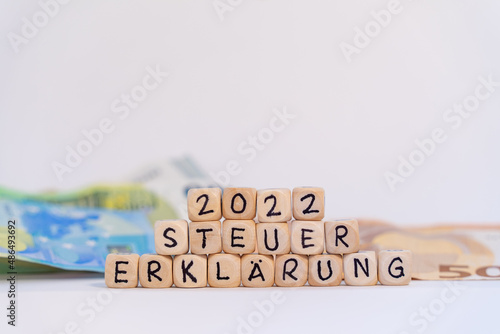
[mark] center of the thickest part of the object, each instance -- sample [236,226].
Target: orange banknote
[440,252]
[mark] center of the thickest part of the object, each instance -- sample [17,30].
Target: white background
[353,119]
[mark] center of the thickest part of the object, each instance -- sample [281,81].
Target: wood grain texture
[155,271]
[342,236]
[224,270]
[273,238]
[121,270]
[239,203]
[360,268]
[325,270]
[205,237]
[307,237]
[190,271]
[308,203]
[204,204]
[238,236]
[257,271]
[171,237]
[394,267]
[274,205]
[291,270]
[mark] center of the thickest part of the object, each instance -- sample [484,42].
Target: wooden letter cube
[342,236]
[394,267]
[238,236]
[239,203]
[190,271]
[360,268]
[224,270]
[273,238]
[155,271]
[307,237]
[257,271]
[204,204]
[171,237]
[325,270]
[274,205]
[121,270]
[205,237]
[291,270]
[308,203]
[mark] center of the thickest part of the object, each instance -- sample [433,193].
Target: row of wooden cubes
[256,270]
[175,237]
[268,205]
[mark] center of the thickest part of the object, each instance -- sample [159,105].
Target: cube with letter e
[121,270]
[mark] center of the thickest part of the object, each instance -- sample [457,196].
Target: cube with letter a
[257,271]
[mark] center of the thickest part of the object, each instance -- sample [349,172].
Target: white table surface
[49,303]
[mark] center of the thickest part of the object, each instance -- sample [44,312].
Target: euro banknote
[440,252]
[111,215]
[159,190]
[68,238]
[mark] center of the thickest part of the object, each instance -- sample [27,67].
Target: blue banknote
[70,238]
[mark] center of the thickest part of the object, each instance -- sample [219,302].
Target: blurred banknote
[76,230]
[171,180]
[68,237]
[159,190]
[445,252]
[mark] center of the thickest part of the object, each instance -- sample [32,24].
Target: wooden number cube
[238,236]
[307,237]
[394,267]
[205,237]
[190,271]
[171,237]
[257,271]
[291,270]
[342,236]
[239,203]
[360,268]
[204,204]
[274,205]
[273,238]
[155,271]
[224,270]
[325,270]
[121,270]
[308,203]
